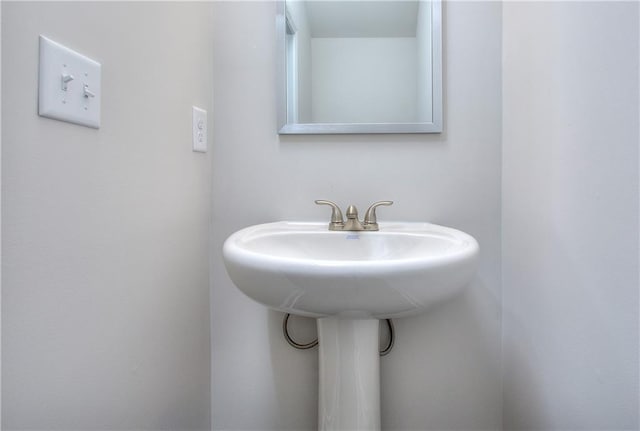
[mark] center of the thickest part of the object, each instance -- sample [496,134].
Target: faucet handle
[370,216]
[336,215]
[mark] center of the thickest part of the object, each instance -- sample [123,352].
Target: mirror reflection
[359,62]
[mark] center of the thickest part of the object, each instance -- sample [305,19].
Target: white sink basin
[305,269]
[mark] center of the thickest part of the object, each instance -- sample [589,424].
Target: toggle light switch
[88,93]
[66,79]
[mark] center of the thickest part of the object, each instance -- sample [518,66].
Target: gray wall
[444,372]
[570,218]
[105,314]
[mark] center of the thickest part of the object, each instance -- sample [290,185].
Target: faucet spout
[352,223]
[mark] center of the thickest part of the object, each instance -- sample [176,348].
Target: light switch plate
[199,130]
[69,85]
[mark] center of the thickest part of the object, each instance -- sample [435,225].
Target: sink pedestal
[349,378]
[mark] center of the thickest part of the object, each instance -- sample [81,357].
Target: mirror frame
[435,126]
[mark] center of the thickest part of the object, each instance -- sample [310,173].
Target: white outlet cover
[199,126]
[79,103]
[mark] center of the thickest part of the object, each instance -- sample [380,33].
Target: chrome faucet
[370,221]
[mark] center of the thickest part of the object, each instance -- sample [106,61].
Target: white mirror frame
[363,128]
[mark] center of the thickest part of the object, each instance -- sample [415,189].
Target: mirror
[359,66]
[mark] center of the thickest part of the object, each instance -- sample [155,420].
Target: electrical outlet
[199,130]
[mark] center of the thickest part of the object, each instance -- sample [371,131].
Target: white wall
[364,80]
[444,372]
[570,215]
[105,318]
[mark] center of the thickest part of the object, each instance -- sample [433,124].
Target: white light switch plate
[69,85]
[199,130]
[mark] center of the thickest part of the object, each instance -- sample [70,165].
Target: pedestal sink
[350,280]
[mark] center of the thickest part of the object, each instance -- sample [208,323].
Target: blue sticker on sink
[353,237]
